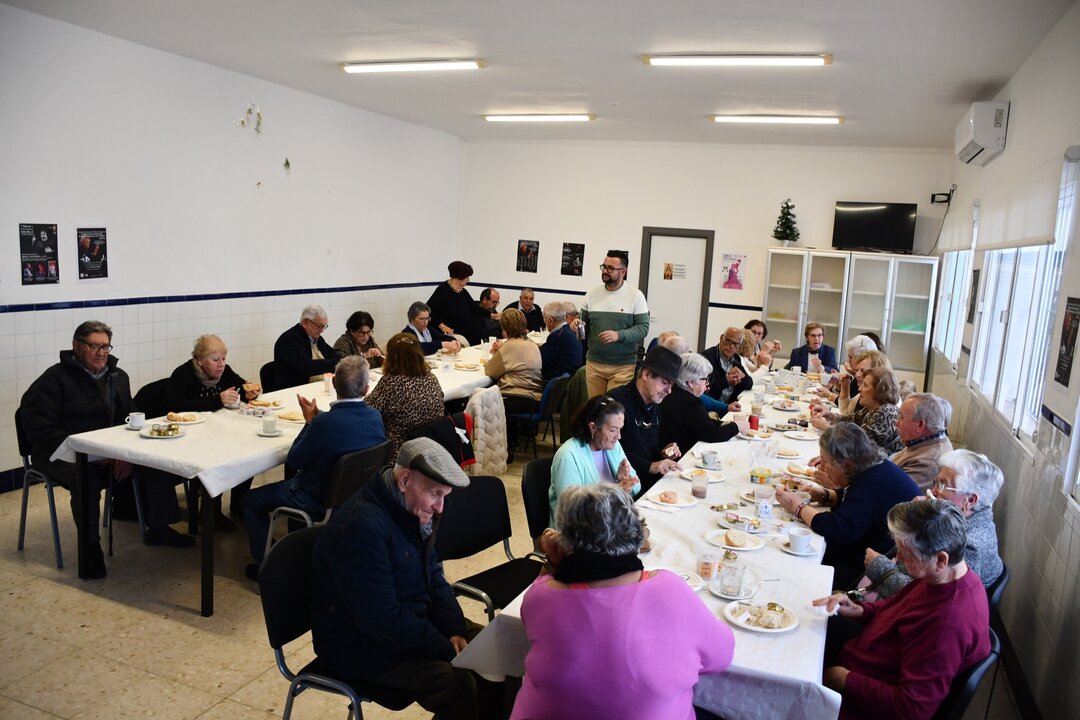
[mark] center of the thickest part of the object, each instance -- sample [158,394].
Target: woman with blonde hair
[408,395]
[517,367]
[875,410]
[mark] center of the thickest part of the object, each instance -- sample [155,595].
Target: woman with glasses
[876,410]
[763,351]
[859,486]
[358,340]
[970,482]
[684,420]
[408,395]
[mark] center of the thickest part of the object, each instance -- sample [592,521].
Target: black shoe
[251,572]
[97,569]
[168,537]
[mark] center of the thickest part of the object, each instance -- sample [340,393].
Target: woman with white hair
[591,653]
[855,347]
[970,482]
[684,420]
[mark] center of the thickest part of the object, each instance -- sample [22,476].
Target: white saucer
[260,433]
[811,550]
[128,427]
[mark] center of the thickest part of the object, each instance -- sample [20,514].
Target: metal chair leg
[22,517]
[135,487]
[55,525]
[106,514]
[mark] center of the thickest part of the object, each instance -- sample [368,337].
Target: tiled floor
[134,645]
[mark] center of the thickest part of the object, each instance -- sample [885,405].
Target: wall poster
[1067,348]
[528,252]
[573,258]
[733,271]
[93,262]
[38,257]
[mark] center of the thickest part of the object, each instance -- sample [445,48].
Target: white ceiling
[903,73]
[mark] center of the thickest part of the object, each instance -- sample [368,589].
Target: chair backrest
[353,470]
[25,446]
[266,377]
[152,398]
[966,683]
[535,482]
[474,518]
[285,586]
[552,395]
[996,589]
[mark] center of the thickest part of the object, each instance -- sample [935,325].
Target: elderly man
[382,611]
[921,425]
[526,303]
[350,425]
[87,391]
[561,353]
[641,419]
[729,377]
[300,354]
[573,319]
[617,318]
[431,339]
[815,355]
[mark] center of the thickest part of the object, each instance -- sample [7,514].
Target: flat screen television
[889,227]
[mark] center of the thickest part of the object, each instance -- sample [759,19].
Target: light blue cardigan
[574,465]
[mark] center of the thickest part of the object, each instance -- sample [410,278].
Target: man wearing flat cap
[382,611]
[641,420]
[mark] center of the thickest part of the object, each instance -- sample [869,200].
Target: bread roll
[669,496]
[182,417]
[736,538]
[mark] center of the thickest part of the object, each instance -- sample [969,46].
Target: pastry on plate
[182,417]
[668,496]
[292,416]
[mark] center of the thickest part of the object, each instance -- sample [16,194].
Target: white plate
[714,476]
[716,537]
[723,522]
[751,585]
[802,435]
[733,613]
[684,500]
[199,418]
[790,471]
[145,432]
[748,496]
[751,438]
[260,433]
[788,454]
[268,404]
[301,421]
[692,579]
[776,406]
[472,367]
[811,550]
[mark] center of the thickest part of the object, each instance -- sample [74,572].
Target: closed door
[675,278]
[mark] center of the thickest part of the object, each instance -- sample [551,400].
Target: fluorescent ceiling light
[733,60]
[540,118]
[412,66]
[780,119]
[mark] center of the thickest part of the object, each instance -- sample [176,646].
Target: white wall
[603,194]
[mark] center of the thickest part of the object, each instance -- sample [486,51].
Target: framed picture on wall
[528,252]
[573,258]
[38,260]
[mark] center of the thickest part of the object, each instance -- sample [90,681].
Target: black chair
[33,477]
[549,402]
[966,683]
[535,484]
[285,590]
[153,398]
[266,377]
[996,589]
[476,518]
[351,472]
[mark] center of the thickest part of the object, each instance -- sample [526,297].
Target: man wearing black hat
[641,420]
[382,611]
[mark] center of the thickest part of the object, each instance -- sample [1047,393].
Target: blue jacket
[349,426]
[378,592]
[801,356]
[561,353]
[292,358]
[438,337]
[573,465]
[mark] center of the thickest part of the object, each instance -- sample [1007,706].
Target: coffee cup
[269,424]
[136,420]
[710,459]
[799,540]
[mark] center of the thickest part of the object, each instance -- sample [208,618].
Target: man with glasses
[921,426]
[300,354]
[87,391]
[729,378]
[617,318]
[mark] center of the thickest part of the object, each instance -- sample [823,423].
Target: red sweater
[914,644]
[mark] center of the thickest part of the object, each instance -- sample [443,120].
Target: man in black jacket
[300,354]
[87,391]
[729,378]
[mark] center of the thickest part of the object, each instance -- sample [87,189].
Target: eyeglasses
[362,331]
[321,326]
[611,268]
[422,318]
[729,341]
[95,347]
[943,487]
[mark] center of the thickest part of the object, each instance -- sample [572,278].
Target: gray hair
[674,342]
[416,308]
[931,409]
[555,310]
[694,366]
[351,376]
[598,518]
[850,446]
[927,527]
[859,344]
[571,308]
[90,327]
[974,474]
[313,311]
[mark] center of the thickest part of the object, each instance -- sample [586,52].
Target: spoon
[775,607]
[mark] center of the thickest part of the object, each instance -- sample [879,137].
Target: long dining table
[773,674]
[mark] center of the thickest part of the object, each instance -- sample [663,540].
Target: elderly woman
[912,645]
[757,364]
[855,347]
[763,351]
[453,310]
[579,620]
[407,395]
[970,482]
[431,339]
[593,454]
[876,411]
[206,382]
[357,339]
[517,366]
[859,485]
[684,419]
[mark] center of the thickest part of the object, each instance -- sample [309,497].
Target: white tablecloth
[456,384]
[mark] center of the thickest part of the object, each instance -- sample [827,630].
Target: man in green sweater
[617,318]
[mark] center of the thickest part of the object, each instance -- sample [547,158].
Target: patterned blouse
[346,345]
[406,403]
[879,425]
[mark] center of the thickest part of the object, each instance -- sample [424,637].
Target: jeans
[260,502]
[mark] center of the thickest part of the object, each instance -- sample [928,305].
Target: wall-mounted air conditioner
[981,134]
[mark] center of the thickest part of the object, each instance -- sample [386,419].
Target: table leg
[82,502]
[207,522]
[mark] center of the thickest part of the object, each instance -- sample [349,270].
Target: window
[952,303]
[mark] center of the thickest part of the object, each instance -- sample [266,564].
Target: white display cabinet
[803,286]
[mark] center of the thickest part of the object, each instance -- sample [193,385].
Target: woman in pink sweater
[609,639]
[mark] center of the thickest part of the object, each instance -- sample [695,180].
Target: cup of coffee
[269,424]
[799,540]
[136,420]
[710,459]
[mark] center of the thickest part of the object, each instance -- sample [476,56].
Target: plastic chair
[351,472]
[535,484]
[476,518]
[285,590]
[33,477]
[966,683]
[993,597]
[549,401]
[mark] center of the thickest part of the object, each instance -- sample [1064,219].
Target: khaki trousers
[600,378]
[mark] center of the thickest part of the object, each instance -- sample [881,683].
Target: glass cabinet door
[825,294]
[783,298]
[867,296]
[909,321]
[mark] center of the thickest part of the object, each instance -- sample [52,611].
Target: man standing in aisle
[617,318]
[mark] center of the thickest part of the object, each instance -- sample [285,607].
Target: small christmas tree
[785,229]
